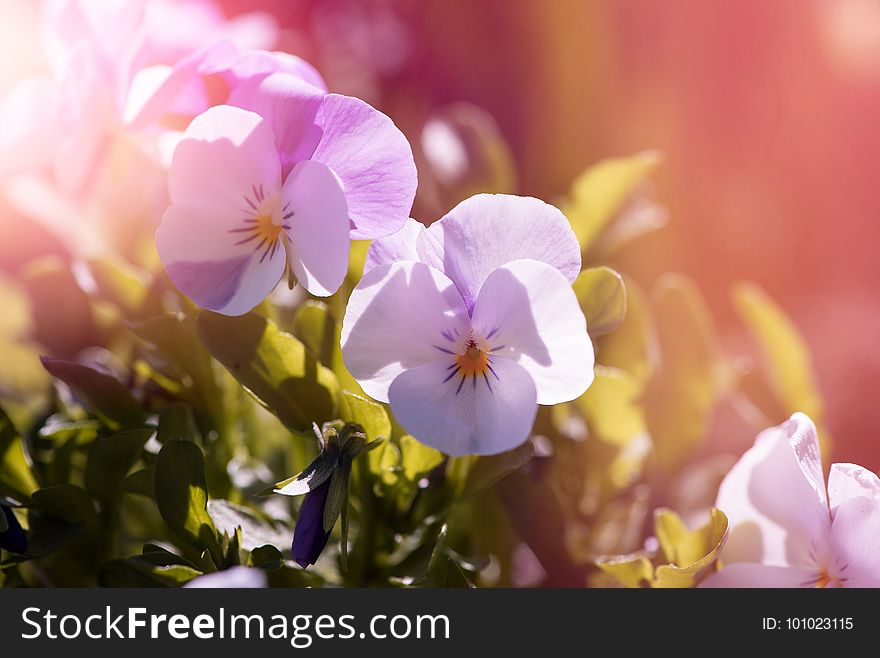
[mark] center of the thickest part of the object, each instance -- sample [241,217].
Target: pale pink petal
[211,263]
[112,26]
[30,134]
[374,161]
[395,320]
[470,416]
[154,90]
[760,576]
[314,210]
[226,154]
[254,64]
[855,540]
[847,481]
[175,29]
[252,31]
[532,315]
[774,499]
[87,108]
[486,231]
[291,106]
[395,247]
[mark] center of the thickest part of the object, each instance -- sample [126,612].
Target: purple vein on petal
[452,374]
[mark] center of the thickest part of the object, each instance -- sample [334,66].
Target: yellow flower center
[473,361]
[262,229]
[266,228]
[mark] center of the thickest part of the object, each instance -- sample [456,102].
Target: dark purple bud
[13,538]
[309,536]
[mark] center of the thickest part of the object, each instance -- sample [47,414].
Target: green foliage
[138,455]
[109,460]
[683,559]
[273,366]
[16,478]
[681,396]
[600,194]
[602,296]
[182,495]
[100,391]
[785,381]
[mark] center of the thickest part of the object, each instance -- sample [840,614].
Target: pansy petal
[225,155]
[86,107]
[847,481]
[482,415]
[256,63]
[395,320]
[486,231]
[314,210]
[528,311]
[154,89]
[397,246]
[211,265]
[374,161]
[855,541]
[291,107]
[309,535]
[759,576]
[772,496]
[28,114]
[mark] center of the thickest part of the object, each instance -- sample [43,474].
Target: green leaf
[182,494]
[417,459]
[600,193]
[176,421]
[45,533]
[174,336]
[141,483]
[602,296]
[315,325]
[632,346]
[266,557]
[162,556]
[443,569]
[612,406]
[786,358]
[371,416]
[66,501]
[21,377]
[489,470]
[337,496]
[16,479]
[110,458]
[374,419]
[691,554]
[255,530]
[100,391]
[633,570]
[119,283]
[681,397]
[143,571]
[274,366]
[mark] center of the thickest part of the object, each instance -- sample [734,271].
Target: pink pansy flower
[281,184]
[115,68]
[475,327]
[788,529]
[363,147]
